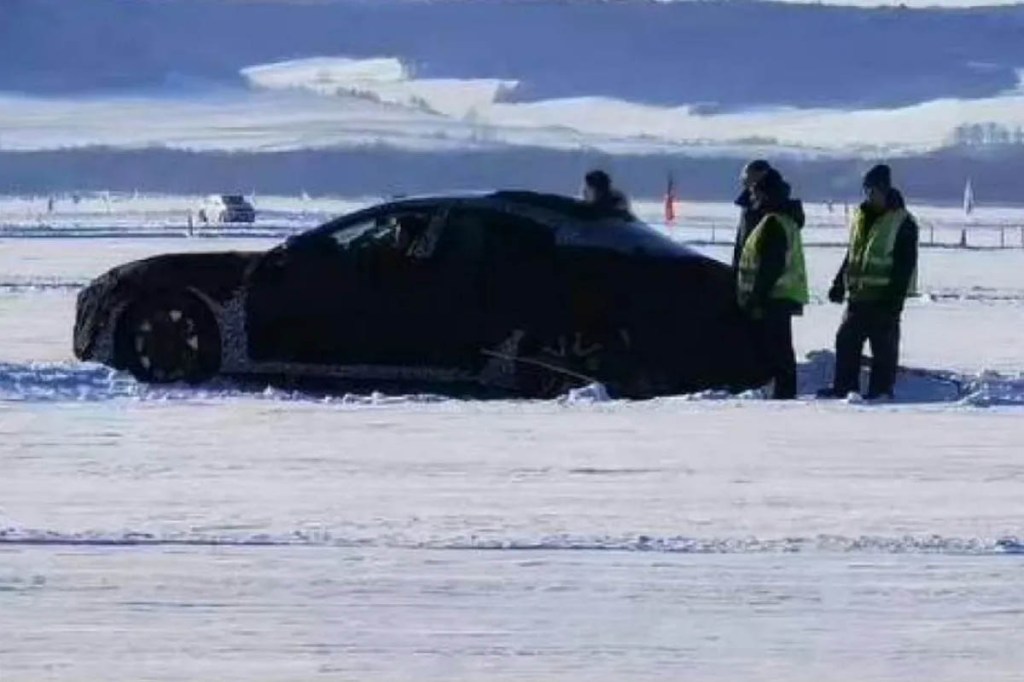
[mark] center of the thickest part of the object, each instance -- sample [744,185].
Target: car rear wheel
[168,339]
[550,367]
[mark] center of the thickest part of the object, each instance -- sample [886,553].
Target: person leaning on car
[876,277]
[771,278]
[598,191]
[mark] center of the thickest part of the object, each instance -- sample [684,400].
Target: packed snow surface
[237,532]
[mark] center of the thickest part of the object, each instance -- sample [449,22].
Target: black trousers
[880,326]
[775,337]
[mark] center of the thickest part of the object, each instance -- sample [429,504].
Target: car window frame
[509,213]
[436,211]
[320,235]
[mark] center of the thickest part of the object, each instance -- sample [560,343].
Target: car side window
[363,232]
[411,232]
[488,234]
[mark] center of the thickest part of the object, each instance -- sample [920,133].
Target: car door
[427,300]
[519,287]
[351,296]
[318,298]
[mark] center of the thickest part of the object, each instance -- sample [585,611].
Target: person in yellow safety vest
[750,217]
[771,284]
[877,276]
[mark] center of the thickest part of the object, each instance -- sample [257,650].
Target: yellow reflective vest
[870,261]
[792,284]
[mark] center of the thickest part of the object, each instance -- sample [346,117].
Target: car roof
[567,206]
[225,197]
[558,203]
[575,222]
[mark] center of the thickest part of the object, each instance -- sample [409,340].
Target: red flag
[670,202]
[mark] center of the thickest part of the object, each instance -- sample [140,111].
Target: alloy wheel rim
[166,343]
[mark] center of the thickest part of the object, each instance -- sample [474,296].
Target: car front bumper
[93,337]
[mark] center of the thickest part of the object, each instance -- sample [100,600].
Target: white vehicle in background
[226,208]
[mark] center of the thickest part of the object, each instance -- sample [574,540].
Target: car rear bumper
[238,216]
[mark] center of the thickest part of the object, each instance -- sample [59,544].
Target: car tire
[544,380]
[169,338]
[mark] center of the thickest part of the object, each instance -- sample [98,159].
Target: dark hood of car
[218,274]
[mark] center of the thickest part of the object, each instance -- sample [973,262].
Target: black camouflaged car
[512,292]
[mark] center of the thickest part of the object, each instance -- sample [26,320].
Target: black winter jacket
[613,200]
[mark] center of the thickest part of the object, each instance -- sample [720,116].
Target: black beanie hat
[880,176]
[758,166]
[772,185]
[598,180]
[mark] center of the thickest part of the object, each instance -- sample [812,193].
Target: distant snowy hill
[497,87]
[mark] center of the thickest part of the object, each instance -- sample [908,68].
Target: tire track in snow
[885,545]
[29,285]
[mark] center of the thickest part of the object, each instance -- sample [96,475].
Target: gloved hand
[837,293]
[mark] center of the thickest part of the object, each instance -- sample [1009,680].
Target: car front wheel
[168,339]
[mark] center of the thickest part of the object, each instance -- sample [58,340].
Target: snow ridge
[679,544]
[75,382]
[47,382]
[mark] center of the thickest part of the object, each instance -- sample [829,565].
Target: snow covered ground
[231,534]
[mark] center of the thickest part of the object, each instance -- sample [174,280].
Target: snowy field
[229,534]
[122,215]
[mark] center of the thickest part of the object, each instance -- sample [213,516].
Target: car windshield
[625,235]
[363,233]
[233,199]
[641,235]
